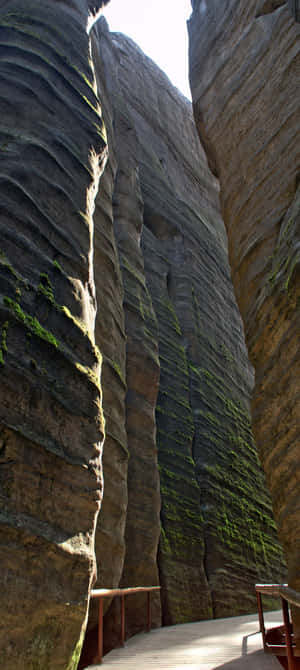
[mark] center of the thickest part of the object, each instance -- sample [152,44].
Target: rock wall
[175,377]
[218,536]
[244,73]
[53,147]
[142,365]
[110,334]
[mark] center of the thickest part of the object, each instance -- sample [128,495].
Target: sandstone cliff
[218,536]
[51,419]
[179,459]
[244,72]
[140,372]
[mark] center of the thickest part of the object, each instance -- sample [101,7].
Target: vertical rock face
[167,325]
[244,72]
[110,335]
[142,365]
[218,536]
[52,149]
[142,376]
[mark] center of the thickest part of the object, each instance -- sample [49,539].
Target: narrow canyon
[149,349]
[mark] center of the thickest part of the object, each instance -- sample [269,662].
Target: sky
[159,28]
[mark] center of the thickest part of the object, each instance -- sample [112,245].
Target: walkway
[222,644]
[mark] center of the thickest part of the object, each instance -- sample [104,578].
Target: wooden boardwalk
[221,644]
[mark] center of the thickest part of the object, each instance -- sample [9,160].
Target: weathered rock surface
[218,536]
[244,72]
[142,365]
[169,330]
[52,149]
[110,332]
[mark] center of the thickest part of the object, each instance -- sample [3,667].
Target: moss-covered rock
[247,112]
[218,536]
[51,424]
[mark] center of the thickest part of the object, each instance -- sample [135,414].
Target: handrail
[288,596]
[110,593]
[122,592]
[270,589]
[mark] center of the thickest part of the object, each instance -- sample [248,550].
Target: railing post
[122,593]
[149,611]
[261,618]
[100,630]
[287,631]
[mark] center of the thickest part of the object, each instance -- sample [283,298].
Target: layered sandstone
[244,72]
[52,150]
[175,376]
[142,365]
[218,536]
[110,335]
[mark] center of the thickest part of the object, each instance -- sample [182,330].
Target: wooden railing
[100,594]
[288,597]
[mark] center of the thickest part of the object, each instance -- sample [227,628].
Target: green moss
[97,354]
[46,288]
[182,441]
[166,309]
[31,323]
[138,276]
[211,418]
[187,478]
[237,510]
[24,25]
[34,327]
[4,334]
[4,261]
[74,660]
[18,293]
[290,271]
[3,348]
[285,258]
[149,333]
[227,354]
[141,306]
[57,266]
[118,370]
[238,515]
[34,364]
[165,545]
[175,397]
